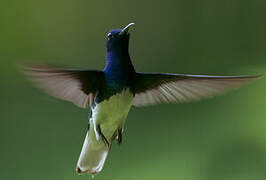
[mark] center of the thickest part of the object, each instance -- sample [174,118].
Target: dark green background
[223,138]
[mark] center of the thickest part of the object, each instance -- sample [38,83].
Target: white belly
[110,114]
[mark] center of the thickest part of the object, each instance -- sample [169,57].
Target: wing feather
[79,86]
[154,88]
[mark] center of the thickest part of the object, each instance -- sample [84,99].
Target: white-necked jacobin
[111,93]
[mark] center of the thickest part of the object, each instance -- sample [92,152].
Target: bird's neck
[119,68]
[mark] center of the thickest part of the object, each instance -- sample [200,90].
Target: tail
[92,156]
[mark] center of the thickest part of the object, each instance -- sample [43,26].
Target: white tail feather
[92,156]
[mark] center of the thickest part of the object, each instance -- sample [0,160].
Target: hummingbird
[111,92]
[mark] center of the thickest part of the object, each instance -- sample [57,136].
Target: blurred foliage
[223,138]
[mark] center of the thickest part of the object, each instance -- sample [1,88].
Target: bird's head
[117,40]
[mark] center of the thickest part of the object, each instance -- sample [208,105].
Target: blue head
[119,68]
[118,40]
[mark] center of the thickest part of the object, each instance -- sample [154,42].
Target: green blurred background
[223,138]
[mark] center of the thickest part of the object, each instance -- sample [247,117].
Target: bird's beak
[125,30]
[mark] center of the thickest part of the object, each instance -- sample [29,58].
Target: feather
[79,86]
[155,88]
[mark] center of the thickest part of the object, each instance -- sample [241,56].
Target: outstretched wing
[155,88]
[79,86]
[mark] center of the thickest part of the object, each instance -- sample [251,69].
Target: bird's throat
[118,65]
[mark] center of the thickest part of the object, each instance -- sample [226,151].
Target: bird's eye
[109,36]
